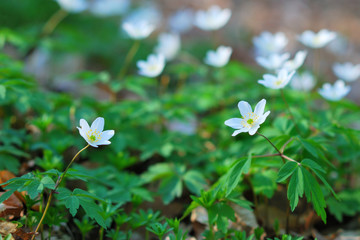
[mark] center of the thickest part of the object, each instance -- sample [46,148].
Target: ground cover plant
[120,123]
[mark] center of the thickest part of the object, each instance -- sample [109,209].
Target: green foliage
[73,200]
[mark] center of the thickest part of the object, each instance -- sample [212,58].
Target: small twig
[282,149]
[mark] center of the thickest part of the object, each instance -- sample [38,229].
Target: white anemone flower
[347,71]
[73,6]
[218,58]
[104,8]
[277,82]
[212,19]
[95,135]
[138,29]
[273,61]
[250,121]
[148,12]
[317,40]
[181,21]
[153,66]
[334,92]
[169,45]
[297,62]
[303,82]
[267,43]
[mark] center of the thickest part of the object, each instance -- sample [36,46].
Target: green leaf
[314,194]
[318,170]
[286,170]
[296,188]
[309,146]
[194,181]
[264,183]
[2,92]
[9,162]
[6,195]
[234,175]
[170,188]
[312,164]
[72,203]
[48,182]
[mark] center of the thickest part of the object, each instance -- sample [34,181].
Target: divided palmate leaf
[296,188]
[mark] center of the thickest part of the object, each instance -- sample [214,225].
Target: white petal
[98,124]
[103,142]
[240,131]
[84,125]
[234,123]
[106,135]
[244,108]
[253,130]
[259,108]
[263,118]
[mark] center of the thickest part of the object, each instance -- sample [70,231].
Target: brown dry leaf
[7,228]
[20,234]
[13,207]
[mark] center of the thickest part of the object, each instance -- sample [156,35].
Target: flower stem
[53,21]
[288,108]
[48,28]
[129,57]
[270,143]
[54,190]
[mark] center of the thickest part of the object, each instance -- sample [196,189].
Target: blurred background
[93,39]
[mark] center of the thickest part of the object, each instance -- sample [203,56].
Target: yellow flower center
[249,120]
[93,136]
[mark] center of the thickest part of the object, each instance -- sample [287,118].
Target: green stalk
[54,190]
[129,57]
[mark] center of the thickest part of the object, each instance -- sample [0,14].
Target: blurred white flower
[347,71]
[317,40]
[277,82]
[218,58]
[147,13]
[169,45]
[334,92]
[267,43]
[297,62]
[303,82]
[212,19]
[181,21]
[138,29]
[273,61]
[250,121]
[95,135]
[153,66]
[109,7]
[74,6]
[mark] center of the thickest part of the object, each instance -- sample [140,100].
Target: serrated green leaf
[72,203]
[286,170]
[318,170]
[48,182]
[295,188]
[314,194]
[312,164]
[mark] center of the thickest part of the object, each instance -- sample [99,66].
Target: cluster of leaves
[169,143]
